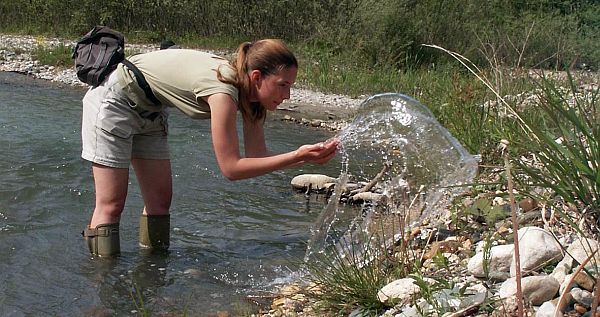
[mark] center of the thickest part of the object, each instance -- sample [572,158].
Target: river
[228,239]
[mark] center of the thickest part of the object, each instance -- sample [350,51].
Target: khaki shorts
[114,131]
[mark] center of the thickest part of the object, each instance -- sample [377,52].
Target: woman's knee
[159,204]
[113,210]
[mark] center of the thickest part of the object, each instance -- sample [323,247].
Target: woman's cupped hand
[318,153]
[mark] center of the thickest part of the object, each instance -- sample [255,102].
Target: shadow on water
[228,239]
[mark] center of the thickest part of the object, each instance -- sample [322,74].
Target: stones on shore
[551,280]
[543,292]
[332,124]
[539,249]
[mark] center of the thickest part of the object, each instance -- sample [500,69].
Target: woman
[121,126]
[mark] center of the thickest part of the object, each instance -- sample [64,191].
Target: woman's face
[272,90]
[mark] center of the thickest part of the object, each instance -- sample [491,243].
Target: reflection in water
[396,149]
[139,287]
[150,271]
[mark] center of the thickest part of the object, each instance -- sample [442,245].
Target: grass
[137,297]
[59,55]
[565,146]
[344,281]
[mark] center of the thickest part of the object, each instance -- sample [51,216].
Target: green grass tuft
[59,55]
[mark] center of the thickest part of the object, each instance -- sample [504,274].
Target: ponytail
[269,56]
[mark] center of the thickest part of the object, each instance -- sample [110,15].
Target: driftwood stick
[467,311]
[374,181]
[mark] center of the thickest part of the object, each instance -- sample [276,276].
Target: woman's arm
[226,145]
[254,139]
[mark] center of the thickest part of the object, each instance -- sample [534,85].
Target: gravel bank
[305,106]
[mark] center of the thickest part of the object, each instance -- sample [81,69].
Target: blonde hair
[269,56]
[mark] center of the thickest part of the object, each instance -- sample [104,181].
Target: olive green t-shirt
[179,78]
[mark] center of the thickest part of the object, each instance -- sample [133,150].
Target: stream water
[228,239]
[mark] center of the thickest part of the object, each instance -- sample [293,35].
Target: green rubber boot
[155,231]
[103,240]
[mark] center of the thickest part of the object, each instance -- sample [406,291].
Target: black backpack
[98,53]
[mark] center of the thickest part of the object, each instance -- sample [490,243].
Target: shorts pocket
[116,118]
[120,132]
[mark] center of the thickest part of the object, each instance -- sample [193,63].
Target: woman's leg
[155,180]
[111,191]
[154,177]
[102,234]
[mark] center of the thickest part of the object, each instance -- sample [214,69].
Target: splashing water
[396,151]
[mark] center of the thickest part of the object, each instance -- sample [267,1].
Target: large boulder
[537,248]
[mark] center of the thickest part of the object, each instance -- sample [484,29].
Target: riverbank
[305,106]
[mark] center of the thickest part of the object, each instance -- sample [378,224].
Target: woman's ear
[255,76]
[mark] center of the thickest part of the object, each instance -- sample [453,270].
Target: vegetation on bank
[551,33]
[366,47]
[549,152]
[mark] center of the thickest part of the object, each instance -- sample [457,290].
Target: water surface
[229,239]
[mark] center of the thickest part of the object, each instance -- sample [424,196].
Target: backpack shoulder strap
[141,81]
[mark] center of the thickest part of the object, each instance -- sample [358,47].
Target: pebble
[528,204]
[580,308]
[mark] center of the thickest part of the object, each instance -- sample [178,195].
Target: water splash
[396,150]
